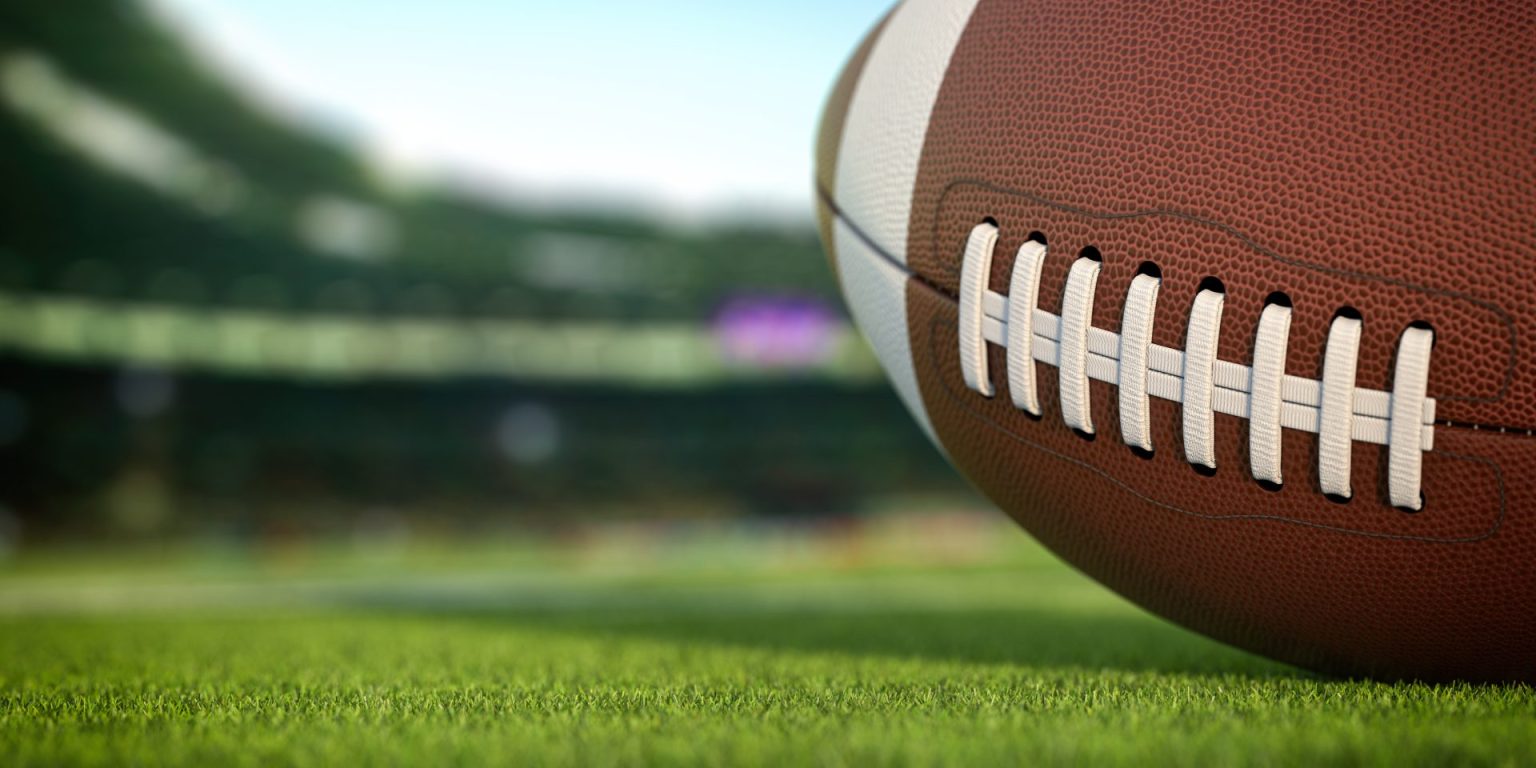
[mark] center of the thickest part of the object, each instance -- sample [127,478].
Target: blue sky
[693,108]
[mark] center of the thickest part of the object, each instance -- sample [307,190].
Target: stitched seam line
[1504,317]
[1333,408]
[956,400]
[826,198]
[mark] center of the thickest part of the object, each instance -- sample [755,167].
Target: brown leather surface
[829,136]
[1357,589]
[1348,155]
[1373,156]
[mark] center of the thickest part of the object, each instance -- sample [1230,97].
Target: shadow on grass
[1032,637]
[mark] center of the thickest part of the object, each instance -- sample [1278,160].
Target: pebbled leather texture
[1375,157]
[829,136]
[888,117]
[1372,156]
[1355,589]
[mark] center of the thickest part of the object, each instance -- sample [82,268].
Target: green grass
[824,661]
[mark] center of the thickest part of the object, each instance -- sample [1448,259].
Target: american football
[1225,303]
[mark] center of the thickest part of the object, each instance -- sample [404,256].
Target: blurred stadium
[215,321]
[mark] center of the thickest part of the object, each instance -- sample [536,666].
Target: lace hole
[1150,270]
[1280,298]
[1142,453]
[1211,284]
[1270,485]
[1203,471]
[1410,511]
[1091,253]
[1337,499]
[1084,434]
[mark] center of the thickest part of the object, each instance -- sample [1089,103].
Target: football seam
[1511,431]
[1504,317]
[955,399]
[1194,377]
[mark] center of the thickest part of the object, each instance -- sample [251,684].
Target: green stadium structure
[135,178]
[212,317]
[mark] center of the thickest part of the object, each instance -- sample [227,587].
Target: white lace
[1335,409]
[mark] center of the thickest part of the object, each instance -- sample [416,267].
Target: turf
[822,661]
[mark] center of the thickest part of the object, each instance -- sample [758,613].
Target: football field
[698,653]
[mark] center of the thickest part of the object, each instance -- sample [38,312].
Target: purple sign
[775,332]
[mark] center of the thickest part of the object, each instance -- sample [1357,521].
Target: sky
[691,107]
